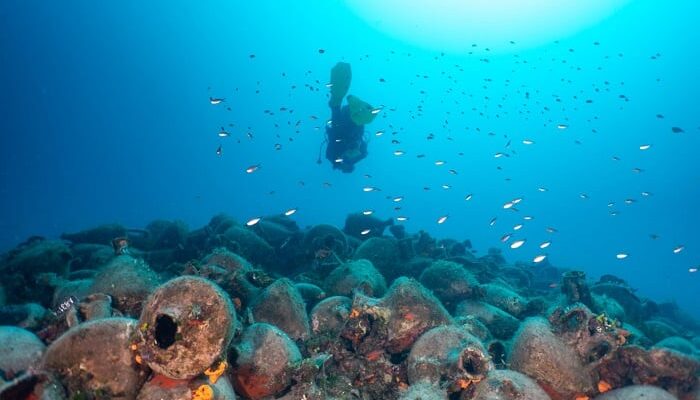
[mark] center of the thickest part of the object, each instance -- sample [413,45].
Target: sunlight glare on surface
[455,25]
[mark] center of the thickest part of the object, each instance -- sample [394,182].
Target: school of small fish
[558,112]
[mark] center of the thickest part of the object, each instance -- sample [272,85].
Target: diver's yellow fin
[361,112]
[341,75]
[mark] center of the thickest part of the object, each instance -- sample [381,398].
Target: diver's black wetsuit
[345,140]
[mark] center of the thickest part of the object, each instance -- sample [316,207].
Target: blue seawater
[105,117]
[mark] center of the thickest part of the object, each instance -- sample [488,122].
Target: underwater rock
[79,289]
[637,392]
[575,288]
[281,305]
[275,234]
[367,347]
[220,223]
[395,321]
[609,278]
[19,350]
[494,257]
[425,245]
[22,265]
[399,232]
[160,387]
[197,243]
[545,275]
[312,379]
[311,293]
[473,326]
[609,306]
[539,354]
[518,276]
[329,315]
[28,316]
[164,260]
[673,313]
[508,385]
[90,256]
[624,296]
[358,274]
[32,385]
[498,351]
[47,283]
[453,248]
[238,285]
[594,338]
[636,336]
[499,281]
[467,256]
[325,243]
[353,243]
[357,223]
[415,266]
[233,273]
[128,280]
[695,395]
[186,325]
[263,361]
[81,274]
[501,324]
[102,234]
[368,376]
[164,234]
[505,299]
[406,251]
[483,270]
[283,220]
[94,306]
[678,344]
[450,282]
[228,260]
[696,342]
[668,369]
[383,253]
[449,356]
[658,330]
[308,391]
[423,391]
[284,236]
[249,245]
[94,360]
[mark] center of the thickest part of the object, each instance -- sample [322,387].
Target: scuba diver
[346,144]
